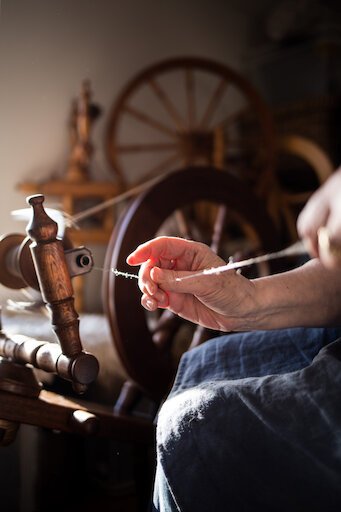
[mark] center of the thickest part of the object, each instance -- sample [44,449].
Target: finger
[169,248]
[313,216]
[311,245]
[329,249]
[333,225]
[146,284]
[148,302]
[161,300]
[172,281]
[141,254]
[149,250]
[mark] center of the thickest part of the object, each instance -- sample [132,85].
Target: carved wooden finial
[41,228]
[56,289]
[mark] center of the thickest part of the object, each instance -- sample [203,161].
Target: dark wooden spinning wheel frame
[147,363]
[197,132]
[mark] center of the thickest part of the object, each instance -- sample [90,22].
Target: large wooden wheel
[300,176]
[189,111]
[148,358]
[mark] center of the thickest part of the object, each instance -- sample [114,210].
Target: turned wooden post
[56,289]
[53,276]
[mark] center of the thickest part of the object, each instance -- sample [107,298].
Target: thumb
[329,249]
[172,280]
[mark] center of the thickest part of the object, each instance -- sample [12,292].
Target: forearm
[307,296]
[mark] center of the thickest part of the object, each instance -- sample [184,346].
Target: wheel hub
[196,145]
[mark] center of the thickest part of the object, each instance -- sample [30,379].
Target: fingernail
[154,272]
[164,302]
[149,304]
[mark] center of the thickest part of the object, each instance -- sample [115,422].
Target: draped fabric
[254,423]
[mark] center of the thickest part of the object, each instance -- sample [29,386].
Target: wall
[48,48]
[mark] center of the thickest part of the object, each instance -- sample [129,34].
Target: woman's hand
[323,210]
[222,302]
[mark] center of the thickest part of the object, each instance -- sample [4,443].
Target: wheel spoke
[135,148]
[198,337]
[141,116]
[213,103]
[168,105]
[165,330]
[162,166]
[199,332]
[299,198]
[232,118]
[190,96]
[195,119]
[184,229]
[218,229]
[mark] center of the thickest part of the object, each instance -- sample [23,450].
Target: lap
[232,433]
[252,354]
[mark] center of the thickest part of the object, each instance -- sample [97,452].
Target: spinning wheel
[301,176]
[147,356]
[189,111]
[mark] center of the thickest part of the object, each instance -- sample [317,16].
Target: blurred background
[288,51]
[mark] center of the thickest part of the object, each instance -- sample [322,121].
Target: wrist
[308,296]
[244,315]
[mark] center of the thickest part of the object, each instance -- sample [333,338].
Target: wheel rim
[182,134]
[151,368]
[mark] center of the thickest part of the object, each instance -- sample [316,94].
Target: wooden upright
[76,190]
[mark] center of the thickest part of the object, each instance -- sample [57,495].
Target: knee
[183,412]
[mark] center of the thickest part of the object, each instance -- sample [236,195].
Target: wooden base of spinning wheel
[21,397]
